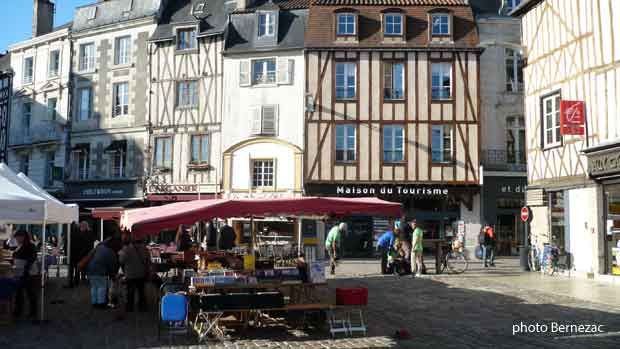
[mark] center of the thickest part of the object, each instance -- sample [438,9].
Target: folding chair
[338,323]
[356,322]
[173,312]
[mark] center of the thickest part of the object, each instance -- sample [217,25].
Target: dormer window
[266,24]
[440,24]
[346,24]
[393,24]
[510,5]
[92,13]
[186,39]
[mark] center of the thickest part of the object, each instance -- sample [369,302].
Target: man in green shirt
[332,242]
[417,247]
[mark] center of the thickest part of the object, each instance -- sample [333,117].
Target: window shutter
[285,71]
[270,120]
[256,120]
[244,73]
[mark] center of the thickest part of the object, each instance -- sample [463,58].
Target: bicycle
[533,260]
[455,260]
[556,260]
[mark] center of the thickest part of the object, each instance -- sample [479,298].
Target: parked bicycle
[556,260]
[454,260]
[533,260]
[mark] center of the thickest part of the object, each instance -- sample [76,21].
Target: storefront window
[612,231]
[556,202]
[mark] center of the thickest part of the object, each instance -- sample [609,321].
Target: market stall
[242,280]
[23,202]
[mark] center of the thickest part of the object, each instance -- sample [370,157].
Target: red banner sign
[572,118]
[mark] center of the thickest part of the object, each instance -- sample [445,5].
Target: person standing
[25,258]
[82,242]
[135,260]
[417,248]
[227,238]
[332,242]
[488,249]
[102,265]
[385,242]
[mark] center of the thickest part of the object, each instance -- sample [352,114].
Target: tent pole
[43,255]
[299,225]
[101,229]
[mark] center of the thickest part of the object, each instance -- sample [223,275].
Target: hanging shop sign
[572,118]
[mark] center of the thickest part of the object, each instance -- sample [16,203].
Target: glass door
[612,229]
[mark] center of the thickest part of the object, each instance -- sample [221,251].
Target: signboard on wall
[572,118]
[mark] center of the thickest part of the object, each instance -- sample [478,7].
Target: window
[510,5]
[440,24]
[187,94]
[84,103]
[346,24]
[50,159]
[87,57]
[393,143]
[346,77]
[345,143]
[264,71]
[122,50]
[558,218]
[393,24]
[515,140]
[266,24]
[514,71]
[200,149]
[52,103]
[27,117]
[121,99]
[28,70]
[92,13]
[264,120]
[262,173]
[186,39]
[81,162]
[118,158]
[163,152]
[441,81]
[441,143]
[54,64]
[24,163]
[551,121]
[393,81]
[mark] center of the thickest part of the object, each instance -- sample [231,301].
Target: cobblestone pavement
[477,309]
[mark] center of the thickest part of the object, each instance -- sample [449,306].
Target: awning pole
[43,255]
[101,229]
[299,225]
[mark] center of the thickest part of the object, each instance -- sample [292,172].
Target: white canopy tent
[24,202]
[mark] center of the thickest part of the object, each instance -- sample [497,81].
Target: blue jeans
[98,289]
[488,252]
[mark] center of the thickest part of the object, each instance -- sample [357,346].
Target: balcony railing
[502,160]
[39,132]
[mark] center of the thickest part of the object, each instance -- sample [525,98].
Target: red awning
[149,221]
[108,213]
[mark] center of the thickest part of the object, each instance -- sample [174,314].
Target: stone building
[572,88]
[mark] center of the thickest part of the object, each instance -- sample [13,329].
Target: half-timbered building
[186,100]
[572,88]
[393,109]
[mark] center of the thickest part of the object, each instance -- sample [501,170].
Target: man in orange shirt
[489,247]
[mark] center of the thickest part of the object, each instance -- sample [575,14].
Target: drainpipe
[69,123]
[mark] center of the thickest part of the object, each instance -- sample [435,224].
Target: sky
[16,18]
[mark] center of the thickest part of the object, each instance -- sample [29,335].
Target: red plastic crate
[352,296]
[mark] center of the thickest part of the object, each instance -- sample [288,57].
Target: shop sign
[376,190]
[163,188]
[572,118]
[102,190]
[604,164]
[513,188]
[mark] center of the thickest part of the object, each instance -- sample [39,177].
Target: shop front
[604,168]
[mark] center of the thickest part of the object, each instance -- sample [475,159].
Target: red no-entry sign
[525,214]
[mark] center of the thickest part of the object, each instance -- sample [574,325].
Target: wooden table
[438,244]
[299,293]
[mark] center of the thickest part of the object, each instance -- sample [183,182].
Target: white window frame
[393,26]
[349,67]
[26,118]
[160,155]
[552,115]
[52,113]
[81,164]
[82,116]
[87,57]
[187,94]
[53,72]
[120,99]
[119,171]
[441,16]
[514,69]
[392,82]
[442,144]
[346,15]
[92,13]
[261,180]
[510,5]
[268,77]
[515,125]
[391,131]
[259,121]
[443,68]
[203,154]
[122,50]
[192,39]
[28,74]
[349,131]
[50,163]
[268,29]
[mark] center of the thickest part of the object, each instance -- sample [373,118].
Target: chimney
[43,17]
[243,4]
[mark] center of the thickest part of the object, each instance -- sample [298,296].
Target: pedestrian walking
[26,268]
[135,261]
[488,248]
[103,264]
[82,241]
[332,242]
[385,242]
[417,248]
